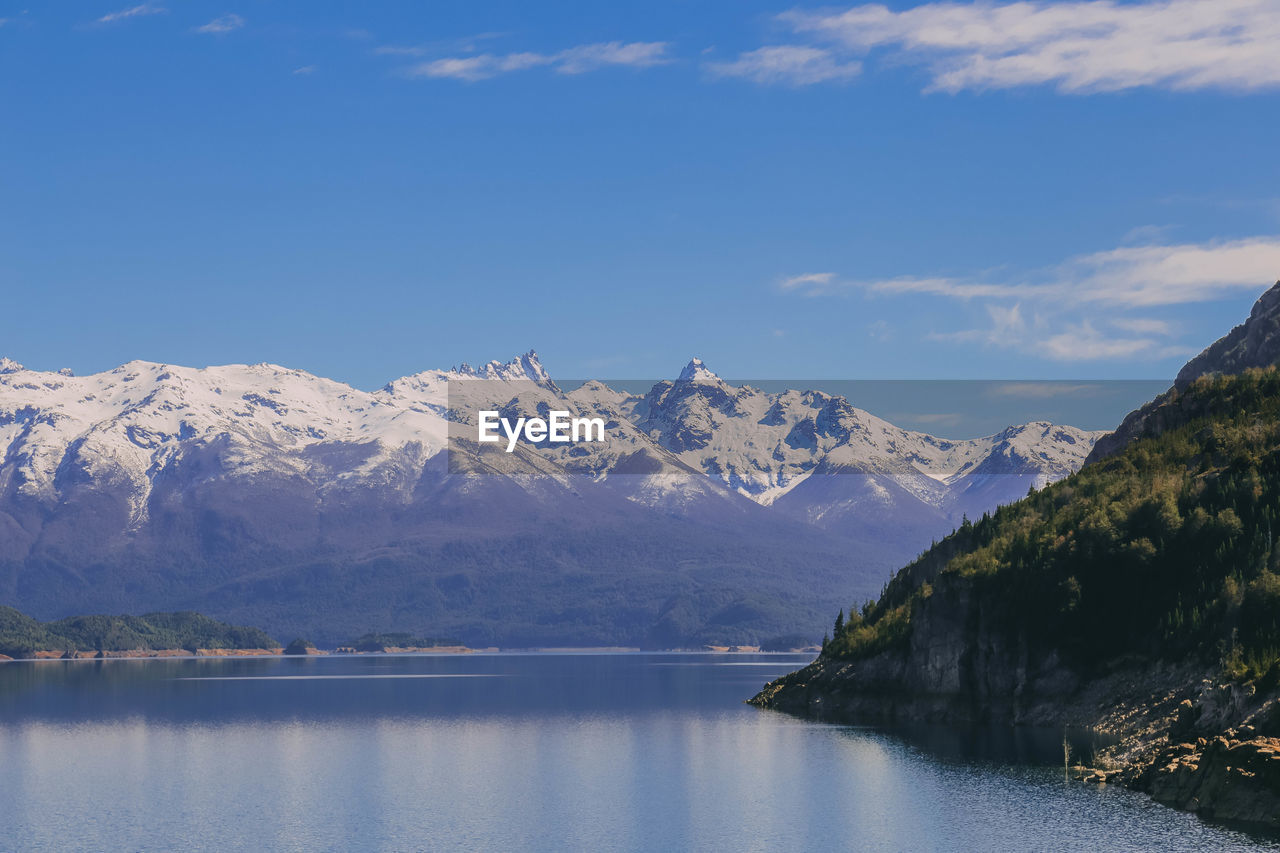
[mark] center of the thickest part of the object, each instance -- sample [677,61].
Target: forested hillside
[1164,551]
[22,636]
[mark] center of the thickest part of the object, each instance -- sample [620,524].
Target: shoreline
[1187,740]
[347,651]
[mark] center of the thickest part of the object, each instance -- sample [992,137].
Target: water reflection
[560,752]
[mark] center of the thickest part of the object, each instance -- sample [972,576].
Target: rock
[1226,780]
[1184,724]
[1254,343]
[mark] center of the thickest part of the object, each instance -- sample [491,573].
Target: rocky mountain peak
[8,365]
[522,367]
[696,371]
[1254,343]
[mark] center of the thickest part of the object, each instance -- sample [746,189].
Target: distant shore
[138,654]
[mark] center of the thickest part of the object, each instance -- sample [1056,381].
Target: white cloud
[1144,234]
[794,65]
[1076,47]
[1131,277]
[305,69]
[1010,329]
[589,57]
[1172,275]
[1143,325]
[810,282]
[132,12]
[1082,342]
[574,60]
[399,50]
[1094,306]
[222,26]
[954,288]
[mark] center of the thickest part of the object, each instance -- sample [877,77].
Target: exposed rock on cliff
[1254,343]
[1139,598]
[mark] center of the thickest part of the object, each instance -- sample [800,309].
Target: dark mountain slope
[1140,595]
[22,636]
[1254,343]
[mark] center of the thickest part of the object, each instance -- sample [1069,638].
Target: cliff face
[1188,739]
[1139,597]
[1254,343]
[959,664]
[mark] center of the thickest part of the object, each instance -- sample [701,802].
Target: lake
[518,752]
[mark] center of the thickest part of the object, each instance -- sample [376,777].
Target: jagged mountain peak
[696,371]
[523,367]
[1254,343]
[249,464]
[8,365]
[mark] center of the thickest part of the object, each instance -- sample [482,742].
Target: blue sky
[862,191]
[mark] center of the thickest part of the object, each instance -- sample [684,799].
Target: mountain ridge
[1253,343]
[1138,597]
[278,497]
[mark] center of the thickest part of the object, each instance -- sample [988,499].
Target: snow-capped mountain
[764,445]
[271,494]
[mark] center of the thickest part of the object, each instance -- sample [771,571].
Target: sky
[907,191]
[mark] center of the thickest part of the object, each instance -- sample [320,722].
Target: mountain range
[714,512]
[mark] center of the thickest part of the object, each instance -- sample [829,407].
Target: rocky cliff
[1254,343]
[1139,597]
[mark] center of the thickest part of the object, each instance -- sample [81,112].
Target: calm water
[516,752]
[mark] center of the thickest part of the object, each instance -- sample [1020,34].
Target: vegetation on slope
[1164,551]
[380,642]
[22,636]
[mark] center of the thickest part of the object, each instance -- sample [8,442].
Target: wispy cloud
[1076,47]
[574,60]
[810,283]
[792,65]
[1092,306]
[222,26]
[1131,277]
[1010,327]
[305,69]
[1083,342]
[138,11]
[1143,325]
[400,50]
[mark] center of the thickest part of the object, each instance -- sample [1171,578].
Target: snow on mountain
[127,425]
[696,371]
[763,445]
[273,496]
